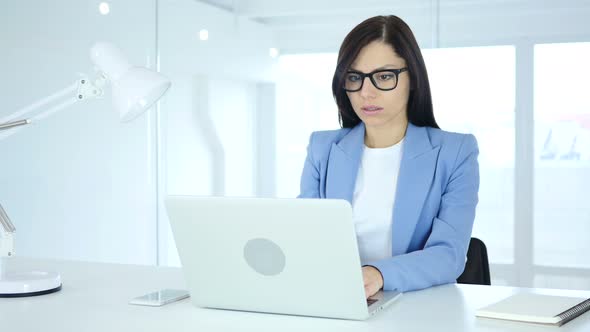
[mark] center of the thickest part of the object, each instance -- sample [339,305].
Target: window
[473,92]
[562,155]
[304,104]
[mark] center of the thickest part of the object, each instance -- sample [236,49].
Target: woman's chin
[373,122]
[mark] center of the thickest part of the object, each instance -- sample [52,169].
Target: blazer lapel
[343,164]
[414,180]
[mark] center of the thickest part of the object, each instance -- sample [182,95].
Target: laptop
[282,256]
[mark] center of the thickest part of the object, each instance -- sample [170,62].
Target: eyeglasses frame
[396,72]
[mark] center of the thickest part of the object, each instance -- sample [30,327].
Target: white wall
[209,119]
[79,185]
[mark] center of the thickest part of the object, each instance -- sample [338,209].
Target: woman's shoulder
[320,142]
[449,138]
[452,143]
[327,137]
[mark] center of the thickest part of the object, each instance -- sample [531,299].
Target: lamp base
[29,284]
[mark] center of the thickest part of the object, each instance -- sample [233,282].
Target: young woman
[413,187]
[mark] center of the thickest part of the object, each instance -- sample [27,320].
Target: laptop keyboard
[370,301]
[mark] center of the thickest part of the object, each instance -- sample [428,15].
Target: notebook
[536,308]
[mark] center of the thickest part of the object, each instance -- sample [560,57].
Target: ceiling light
[104,8]
[273,52]
[204,34]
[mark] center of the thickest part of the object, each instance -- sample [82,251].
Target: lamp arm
[23,112]
[13,124]
[7,231]
[80,90]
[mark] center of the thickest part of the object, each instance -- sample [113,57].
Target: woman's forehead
[376,55]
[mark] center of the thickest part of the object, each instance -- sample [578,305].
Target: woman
[413,187]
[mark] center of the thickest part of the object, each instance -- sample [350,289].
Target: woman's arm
[443,258]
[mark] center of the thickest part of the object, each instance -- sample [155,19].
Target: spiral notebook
[536,308]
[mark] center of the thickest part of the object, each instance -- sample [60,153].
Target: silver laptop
[285,256]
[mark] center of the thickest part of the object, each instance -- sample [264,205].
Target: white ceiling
[275,11]
[320,25]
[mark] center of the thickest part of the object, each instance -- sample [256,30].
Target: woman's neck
[385,136]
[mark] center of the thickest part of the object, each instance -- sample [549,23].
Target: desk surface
[95,295]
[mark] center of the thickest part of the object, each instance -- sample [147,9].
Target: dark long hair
[394,31]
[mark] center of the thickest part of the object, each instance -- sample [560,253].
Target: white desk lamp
[134,90]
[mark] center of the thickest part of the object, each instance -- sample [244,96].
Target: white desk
[94,298]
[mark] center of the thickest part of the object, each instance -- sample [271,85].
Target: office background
[237,119]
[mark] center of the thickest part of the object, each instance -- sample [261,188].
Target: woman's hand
[373,280]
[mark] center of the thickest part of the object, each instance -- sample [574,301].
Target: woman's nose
[368,90]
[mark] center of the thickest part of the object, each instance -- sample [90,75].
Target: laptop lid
[288,256]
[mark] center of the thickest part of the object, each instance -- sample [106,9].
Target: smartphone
[160,297]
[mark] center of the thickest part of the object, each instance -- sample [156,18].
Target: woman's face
[377,108]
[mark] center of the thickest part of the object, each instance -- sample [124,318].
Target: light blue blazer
[434,205]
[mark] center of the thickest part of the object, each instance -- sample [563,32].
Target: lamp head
[134,89]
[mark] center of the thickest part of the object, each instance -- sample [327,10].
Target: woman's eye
[385,77]
[354,78]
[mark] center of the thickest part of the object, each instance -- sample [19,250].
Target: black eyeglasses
[382,79]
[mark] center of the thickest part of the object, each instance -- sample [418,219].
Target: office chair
[477,268]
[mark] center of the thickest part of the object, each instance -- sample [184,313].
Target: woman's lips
[371,110]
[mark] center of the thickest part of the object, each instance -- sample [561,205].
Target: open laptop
[285,256]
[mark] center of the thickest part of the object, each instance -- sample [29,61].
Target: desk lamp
[134,90]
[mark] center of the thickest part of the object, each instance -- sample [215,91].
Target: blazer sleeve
[310,178]
[443,258]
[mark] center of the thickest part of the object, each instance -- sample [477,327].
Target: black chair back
[477,268]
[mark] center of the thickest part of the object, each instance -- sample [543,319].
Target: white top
[373,199]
